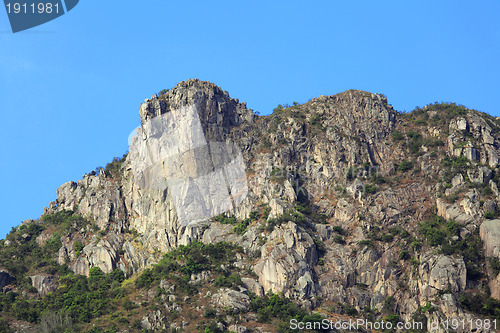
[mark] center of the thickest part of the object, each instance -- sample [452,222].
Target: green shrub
[78,247]
[351,173]
[397,136]
[387,238]
[54,243]
[370,189]
[489,215]
[209,312]
[457,164]
[129,305]
[223,219]
[420,122]
[279,109]
[180,263]
[66,221]
[231,281]
[366,242]
[276,306]
[145,279]
[404,255]
[415,142]
[495,265]
[137,324]
[289,215]
[113,168]
[438,232]
[266,143]
[316,120]
[339,239]
[338,229]
[480,303]
[405,166]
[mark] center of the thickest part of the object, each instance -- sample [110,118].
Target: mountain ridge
[352,209]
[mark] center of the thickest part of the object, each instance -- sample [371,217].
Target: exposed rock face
[44,284]
[253,286]
[340,185]
[490,234]
[94,196]
[238,329]
[235,300]
[154,321]
[473,128]
[440,273]
[102,255]
[286,261]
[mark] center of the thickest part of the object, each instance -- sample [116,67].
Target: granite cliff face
[348,203]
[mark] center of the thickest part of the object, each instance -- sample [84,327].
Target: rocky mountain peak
[215,107]
[357,112]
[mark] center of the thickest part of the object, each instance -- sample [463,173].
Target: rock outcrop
[44,284]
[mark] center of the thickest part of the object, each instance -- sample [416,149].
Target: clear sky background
[70,89]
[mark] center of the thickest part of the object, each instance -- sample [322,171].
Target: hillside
[221,220]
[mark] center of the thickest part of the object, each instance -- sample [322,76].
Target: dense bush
[78,299]
[275,306]
[113,168]
[78,247]
[240,227]
[489,215]
[495,265]
[480,303]
[316,120]
[405,166]
[289,215]
[415,142]
[66,221]
[231,281]
[196,257]
[397,136]
[24,253]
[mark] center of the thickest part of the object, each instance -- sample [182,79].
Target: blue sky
[70,89]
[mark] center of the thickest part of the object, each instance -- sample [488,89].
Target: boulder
[238,329]
[232,299]
[480,175]
[44,283]
[253,286]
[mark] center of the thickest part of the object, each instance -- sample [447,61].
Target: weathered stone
[238,329]
[288,261]
[480,175]
[490,234]
[440,272]
[253,286]
[154,321]
[233,299]
[44,284]
[457,180]
[459,124]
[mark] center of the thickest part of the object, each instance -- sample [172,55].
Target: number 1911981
[41,8]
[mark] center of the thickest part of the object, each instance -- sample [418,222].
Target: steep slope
[348,208]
